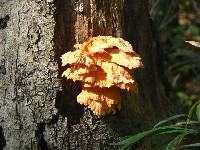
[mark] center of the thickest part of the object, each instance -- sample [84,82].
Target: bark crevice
[3,22]
[42,144]
[2,139]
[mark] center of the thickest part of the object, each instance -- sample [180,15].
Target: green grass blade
[189,123]
[189,145]
[170,132]
[191,111]
[198,112]
[176,141]
[155,131]
[169,119]
[134,138]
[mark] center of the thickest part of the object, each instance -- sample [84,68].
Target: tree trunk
[38,109]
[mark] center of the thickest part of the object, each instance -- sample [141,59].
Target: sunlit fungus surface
[104,66]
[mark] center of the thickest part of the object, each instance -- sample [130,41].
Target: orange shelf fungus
[103,64]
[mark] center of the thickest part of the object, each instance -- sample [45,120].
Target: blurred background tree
[178,21]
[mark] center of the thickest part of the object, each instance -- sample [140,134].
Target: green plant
[185,126]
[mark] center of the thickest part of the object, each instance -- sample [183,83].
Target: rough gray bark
[34,34]
[28,72]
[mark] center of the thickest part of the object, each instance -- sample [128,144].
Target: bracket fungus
[103,64]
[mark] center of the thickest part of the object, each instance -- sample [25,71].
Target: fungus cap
[103,64]
[100,100]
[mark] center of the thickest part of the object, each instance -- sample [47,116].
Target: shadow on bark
[63,41]
[2,139]
[42,144]
[3,22]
